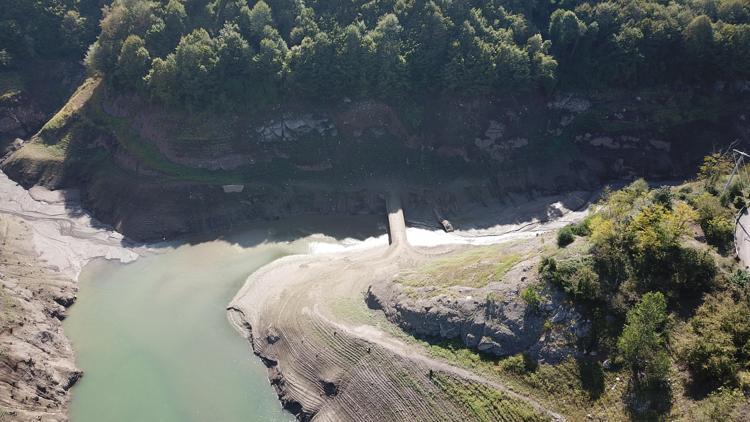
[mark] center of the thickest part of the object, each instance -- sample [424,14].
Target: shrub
[565,236]
[719,232]
[740,278]
[531,296]
[611,263]
[582,228]
[663,196]
[733,193]
[576,277]
[519,364]
[716,221]
[695,270]
[684,192]
[718,344]
[714,166]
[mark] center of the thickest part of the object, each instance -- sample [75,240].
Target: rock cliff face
[20,117]
[130,158]
[494,319]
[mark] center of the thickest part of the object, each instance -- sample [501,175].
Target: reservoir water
[152,336]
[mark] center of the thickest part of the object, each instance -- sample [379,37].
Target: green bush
[519,364]
[576,277]
[696,270]
[733,193]
[716,221]
[740,278]
[565,236]
[531,296]
[718,344]
[662,196]
[719,232]
[582,228]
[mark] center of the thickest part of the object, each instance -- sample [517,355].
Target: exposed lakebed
[152,336]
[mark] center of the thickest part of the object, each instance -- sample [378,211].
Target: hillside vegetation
[235,53]
[668,301]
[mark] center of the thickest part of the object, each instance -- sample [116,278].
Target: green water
[154,343]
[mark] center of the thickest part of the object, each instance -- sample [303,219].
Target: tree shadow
[592,377]
[650,403]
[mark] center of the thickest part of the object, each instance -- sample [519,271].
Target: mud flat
[306,317]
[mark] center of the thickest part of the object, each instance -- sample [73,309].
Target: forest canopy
[199,53]
[46,29]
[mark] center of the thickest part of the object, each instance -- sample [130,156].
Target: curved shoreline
[330,368]
[47,239]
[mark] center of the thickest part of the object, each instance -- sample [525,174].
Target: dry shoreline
[325,367]
[46,241]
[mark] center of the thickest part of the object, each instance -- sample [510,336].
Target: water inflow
[153,339]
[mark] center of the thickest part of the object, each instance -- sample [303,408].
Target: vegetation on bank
[669,306]
[485,403]
[234,53]
[667,301]
[475,268]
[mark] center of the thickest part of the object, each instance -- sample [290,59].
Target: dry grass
[485,403]
[475,267]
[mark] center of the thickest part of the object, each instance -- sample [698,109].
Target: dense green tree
[253,21]
[312,66]
[390,73]
[354,57]
[235,65]
[271,64]
[132,63]
[396,49]
[196,61]
[162,79]
[166,32]
[566,31]
[431,36]
[699,37]
[32,30]
[642,342]
[471,66]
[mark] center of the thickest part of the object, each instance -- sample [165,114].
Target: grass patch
[574,388]
[486,403]
[353,310]
[11,84]
[724,405]
[474,268]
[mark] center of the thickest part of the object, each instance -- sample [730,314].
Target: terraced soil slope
[305,317]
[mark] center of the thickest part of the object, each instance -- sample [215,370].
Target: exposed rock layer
[36,360]
[493,320]
[290,161]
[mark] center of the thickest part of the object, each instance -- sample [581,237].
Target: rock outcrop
[493,320]
[336,159]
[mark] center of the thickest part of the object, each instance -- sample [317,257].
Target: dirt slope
[326,364]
